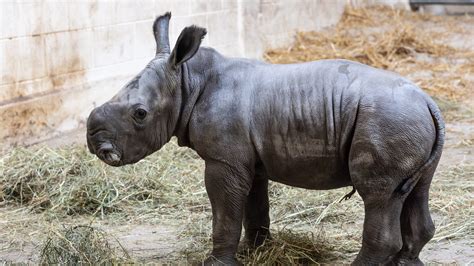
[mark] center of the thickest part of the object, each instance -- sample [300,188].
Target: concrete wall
[59,59]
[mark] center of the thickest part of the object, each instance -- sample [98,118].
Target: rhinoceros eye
[140,114]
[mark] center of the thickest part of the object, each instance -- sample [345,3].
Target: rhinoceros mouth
[109,154]
[112,159]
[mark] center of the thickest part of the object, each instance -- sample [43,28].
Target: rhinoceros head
[143,115]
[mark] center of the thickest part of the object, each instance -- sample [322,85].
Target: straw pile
[312,226]
[70,182]
[80,245]
[420,47]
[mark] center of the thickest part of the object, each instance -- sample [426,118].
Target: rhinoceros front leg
[256,216]
[227,186]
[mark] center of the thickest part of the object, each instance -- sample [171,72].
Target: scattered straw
[79,245]
[289,248]
[168,186]
[71,181]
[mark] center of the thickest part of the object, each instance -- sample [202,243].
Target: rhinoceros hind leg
[381,239]
[416,225]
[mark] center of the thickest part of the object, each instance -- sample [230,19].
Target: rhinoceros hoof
[215,261]
[407,261]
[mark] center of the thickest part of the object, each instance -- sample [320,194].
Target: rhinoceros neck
[194,76]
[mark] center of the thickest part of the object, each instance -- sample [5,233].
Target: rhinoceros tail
[431,163]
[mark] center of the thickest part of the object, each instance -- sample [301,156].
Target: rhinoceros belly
[302,119]
[311,164]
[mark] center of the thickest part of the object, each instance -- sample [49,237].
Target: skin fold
[318,125]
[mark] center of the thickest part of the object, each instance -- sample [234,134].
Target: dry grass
[420,47]
[452,199]
[289,248]
[70,182]
[80,245]
[308,226]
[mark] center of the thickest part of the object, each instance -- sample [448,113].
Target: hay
[414,45]
[80,244]
[289,248]
[168,186]
[452,197]
[70,181]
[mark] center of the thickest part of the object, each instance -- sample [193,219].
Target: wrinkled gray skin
[317,125]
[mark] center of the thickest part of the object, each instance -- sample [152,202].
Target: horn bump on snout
[160,30]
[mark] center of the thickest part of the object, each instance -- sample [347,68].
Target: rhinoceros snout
[108,154]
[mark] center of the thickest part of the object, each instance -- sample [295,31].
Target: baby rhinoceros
[318,125]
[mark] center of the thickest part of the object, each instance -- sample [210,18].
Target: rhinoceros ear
[160,31]
[187,45]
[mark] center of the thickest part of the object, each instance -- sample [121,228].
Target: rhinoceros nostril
[106,147]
